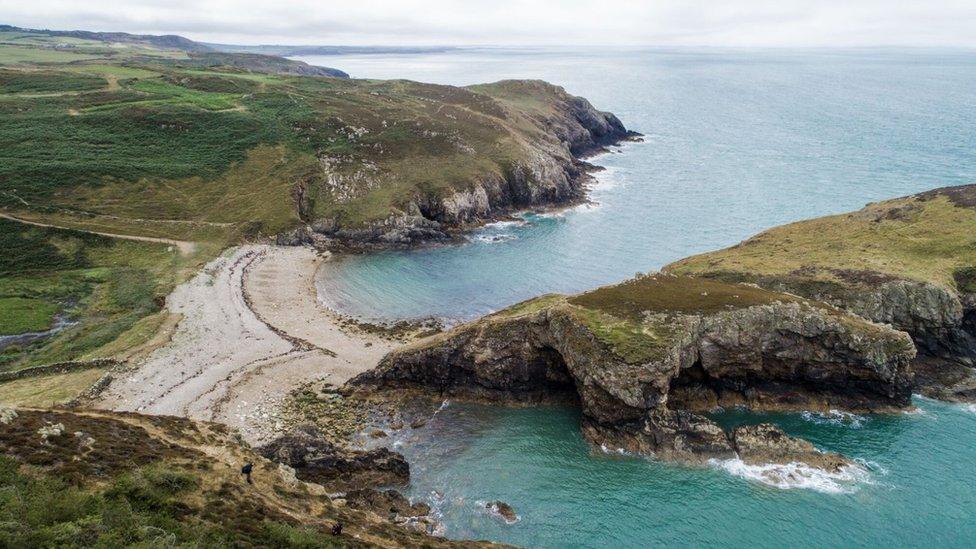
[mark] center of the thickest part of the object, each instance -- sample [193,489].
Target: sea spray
[793,475]
[835,417]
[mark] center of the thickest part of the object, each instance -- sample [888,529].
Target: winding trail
[251,332]
[185,247]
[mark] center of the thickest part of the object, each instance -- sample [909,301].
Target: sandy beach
[252,331]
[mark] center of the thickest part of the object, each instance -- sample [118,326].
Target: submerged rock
[315,459]
[646,357]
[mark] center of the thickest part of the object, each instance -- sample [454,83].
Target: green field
[927,238]
[104,285]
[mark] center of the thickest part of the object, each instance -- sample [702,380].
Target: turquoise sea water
[737,141]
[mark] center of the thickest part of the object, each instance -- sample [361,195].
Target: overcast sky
[528,22]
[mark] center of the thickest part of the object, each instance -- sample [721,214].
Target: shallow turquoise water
[919,491]
[737,141]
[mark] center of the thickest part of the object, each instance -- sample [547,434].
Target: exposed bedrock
[314,459]
[642,384]
[909,262]
[941,322]
[550,173]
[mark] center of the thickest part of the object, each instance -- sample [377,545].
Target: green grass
[22,55]
[181,95]
[19,315]
[13,81]
[118,71]
[50,390]
[635,341]
[928,239]
[106,285]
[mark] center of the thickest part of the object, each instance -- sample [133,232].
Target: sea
[735,141]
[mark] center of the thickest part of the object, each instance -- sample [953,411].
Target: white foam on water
[971,408]
[835,417]
[493,238]
[606,179]
[493,510]
[505,224]
[798,475]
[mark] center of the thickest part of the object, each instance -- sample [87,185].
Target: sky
[730,23]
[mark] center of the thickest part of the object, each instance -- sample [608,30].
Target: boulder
[314,459]
[766,443]
[503,510]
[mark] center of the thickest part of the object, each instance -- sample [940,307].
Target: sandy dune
[251,332]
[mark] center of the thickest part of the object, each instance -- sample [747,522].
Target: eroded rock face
[766,443]
[770,356]
[939,320]
[551,174]
[315,459]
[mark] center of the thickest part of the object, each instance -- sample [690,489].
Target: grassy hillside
[103,286]
[123,480]
[138,137]
[930,237]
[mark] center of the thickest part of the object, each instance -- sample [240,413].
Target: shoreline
[462,236]
[417,231]
[252,332]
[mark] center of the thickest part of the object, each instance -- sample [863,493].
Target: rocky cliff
[908,263]
[645,358]
[545,168]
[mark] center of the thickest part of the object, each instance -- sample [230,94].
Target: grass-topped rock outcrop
[908,262]
[647,357]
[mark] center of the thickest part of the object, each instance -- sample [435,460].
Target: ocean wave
[799,475]
[835,417]
[606,179]
[493,238]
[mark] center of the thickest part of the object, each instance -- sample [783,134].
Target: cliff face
[643,373]
[551,136]
[914,259]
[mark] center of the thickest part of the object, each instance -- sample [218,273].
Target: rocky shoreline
[644,382]
[554,175]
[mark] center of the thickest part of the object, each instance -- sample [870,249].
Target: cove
[736,141]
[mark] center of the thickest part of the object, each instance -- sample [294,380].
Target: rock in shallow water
[766,443]
[503,510]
